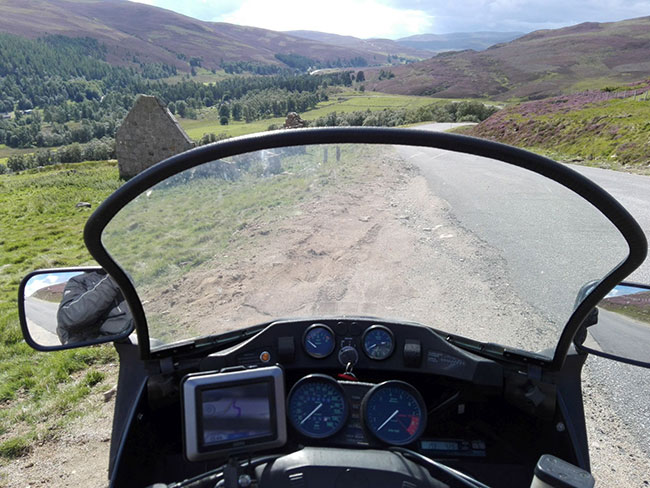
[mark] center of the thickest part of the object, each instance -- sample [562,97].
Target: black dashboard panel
[416,349]
[448,378]
[474,409]
[461,391]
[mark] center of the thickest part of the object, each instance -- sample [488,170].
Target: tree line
[96,150]
[469,111]
[262,104]
[303,63]
[58,91]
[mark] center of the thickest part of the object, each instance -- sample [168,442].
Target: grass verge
[612,134]
[42,227]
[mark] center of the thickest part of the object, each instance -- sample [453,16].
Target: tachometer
[378,342]
[319,341]
[394,413]
[317,407]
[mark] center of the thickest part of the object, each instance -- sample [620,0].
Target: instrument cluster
[392,412]
[377,342]
[359,395]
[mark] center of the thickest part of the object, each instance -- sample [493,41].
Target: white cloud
[43,281]
[365,18]
[38,282]
[400,18]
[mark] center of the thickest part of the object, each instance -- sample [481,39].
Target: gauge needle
[311,413]
[311,344]
[387,420]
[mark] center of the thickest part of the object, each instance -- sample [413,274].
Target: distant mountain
[459,41]
[135,32]
[540,64]
[382,47]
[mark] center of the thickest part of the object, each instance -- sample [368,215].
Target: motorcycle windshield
[464,244]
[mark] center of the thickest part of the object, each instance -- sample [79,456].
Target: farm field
[202,76]
[344,102]
[5,151]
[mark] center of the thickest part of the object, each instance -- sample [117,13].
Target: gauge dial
[317,407]
[319,341]
[378,342]
[394,413]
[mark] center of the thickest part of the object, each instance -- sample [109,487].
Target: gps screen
[232,412]
[235,413]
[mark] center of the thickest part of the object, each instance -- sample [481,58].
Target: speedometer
[317,407]
[394,413]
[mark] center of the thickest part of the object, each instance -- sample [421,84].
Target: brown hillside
[379,46]
[540,64]
[154,34]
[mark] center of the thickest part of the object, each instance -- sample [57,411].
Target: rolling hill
[417,47]
[537,65]
[604,128]
[135,32]
[379,46]
[540,64]
[457,41]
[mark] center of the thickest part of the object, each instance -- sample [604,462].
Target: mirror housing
[619,327]
[66,308]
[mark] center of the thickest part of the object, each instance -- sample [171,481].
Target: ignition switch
[348,354]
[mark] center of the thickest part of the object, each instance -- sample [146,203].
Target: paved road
[633,192]
[553,240]
[42,313]
[618,334]
[627,387]
[41,321]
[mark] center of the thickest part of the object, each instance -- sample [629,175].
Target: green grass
[348,101]
[197,128]
[354,101]
[590,83]
[202,76]
[5,151]
[611,134]
[41,227]
[616,131]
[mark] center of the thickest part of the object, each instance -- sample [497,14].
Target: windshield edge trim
[563,175]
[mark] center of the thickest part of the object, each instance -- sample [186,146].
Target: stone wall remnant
[294,121]
[149,134]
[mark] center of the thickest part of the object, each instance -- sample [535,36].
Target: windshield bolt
[560,427]
[244,481]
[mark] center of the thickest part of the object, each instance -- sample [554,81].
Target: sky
[37,282]
[393,19]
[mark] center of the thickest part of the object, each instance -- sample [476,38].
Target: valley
[70,70]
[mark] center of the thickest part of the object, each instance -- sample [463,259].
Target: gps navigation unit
[234,412]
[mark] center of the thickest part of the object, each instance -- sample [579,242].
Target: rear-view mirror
[620,327]
[72,307]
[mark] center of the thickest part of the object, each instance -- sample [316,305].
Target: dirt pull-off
[384,247]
